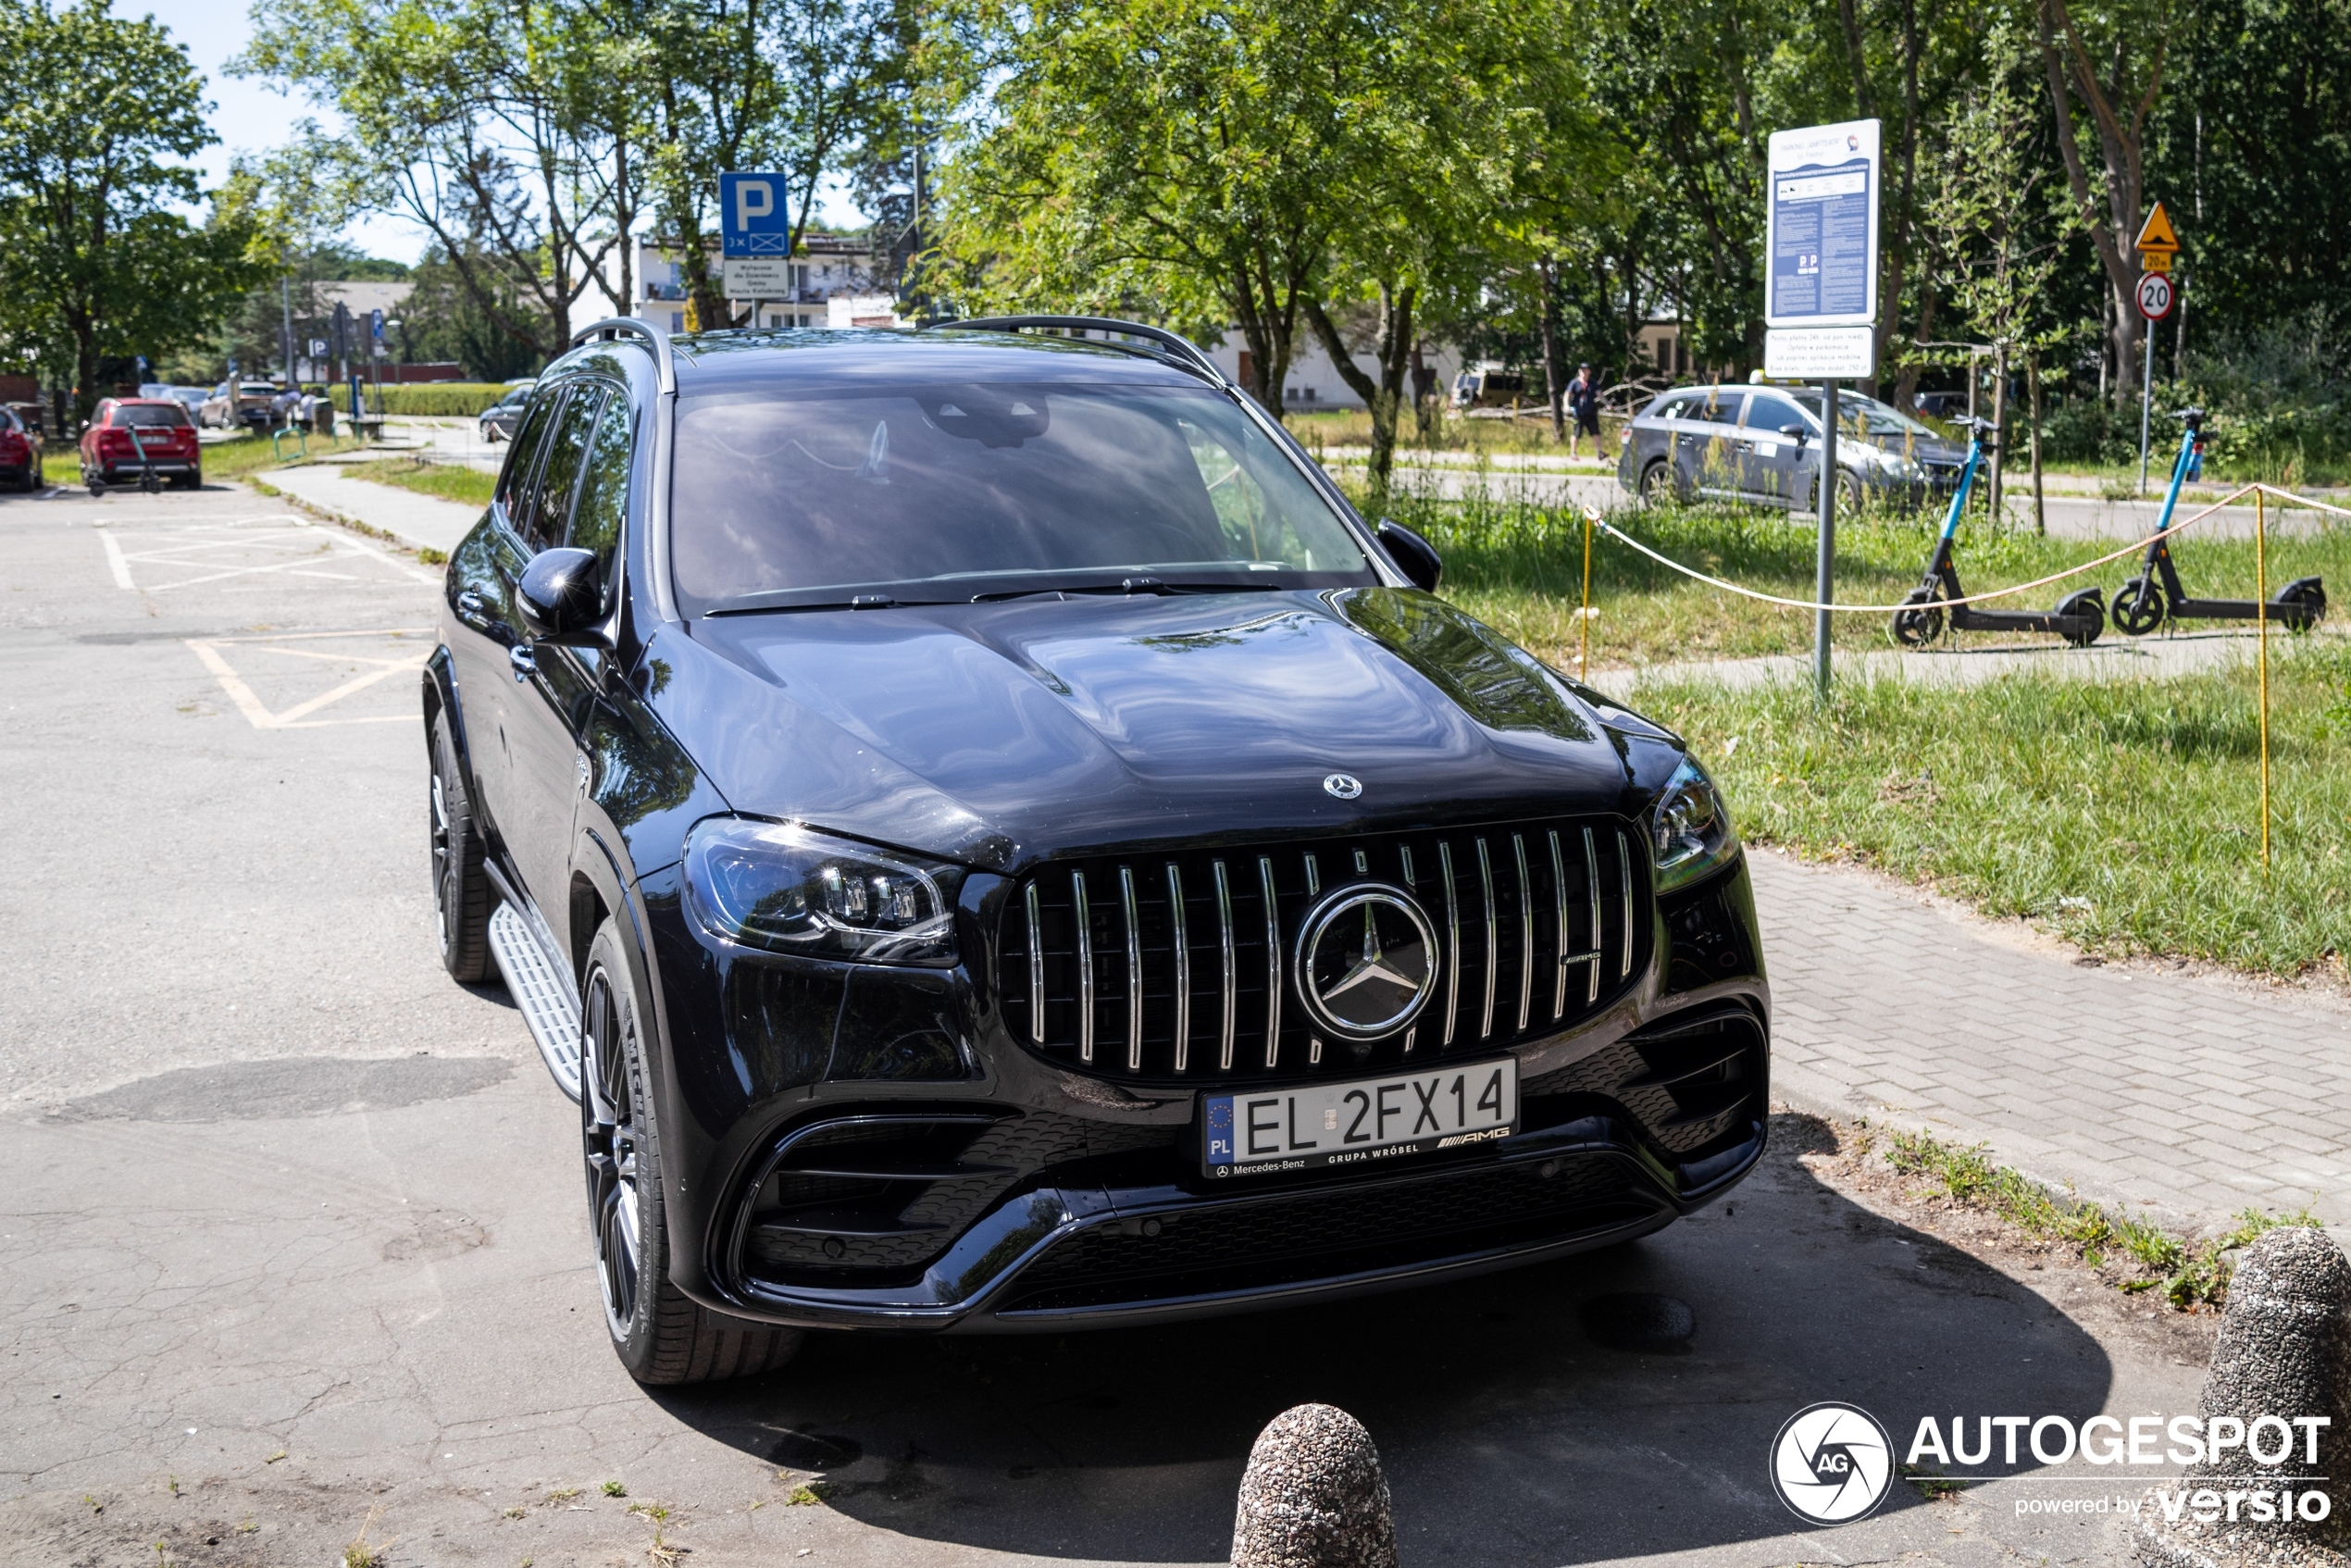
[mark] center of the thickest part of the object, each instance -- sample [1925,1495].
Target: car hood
[1002,734]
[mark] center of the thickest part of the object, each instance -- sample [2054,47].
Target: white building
[825,266]
[1312,385]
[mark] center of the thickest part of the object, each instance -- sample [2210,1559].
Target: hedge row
[448,399]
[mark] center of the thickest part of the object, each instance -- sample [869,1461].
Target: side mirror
[1413,555]
[561,597]
[1797,434]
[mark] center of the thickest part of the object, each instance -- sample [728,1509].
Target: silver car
[1762,444]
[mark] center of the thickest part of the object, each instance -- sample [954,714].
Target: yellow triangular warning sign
[2155,234]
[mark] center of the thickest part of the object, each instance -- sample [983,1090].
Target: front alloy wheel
[661,1334]
[609,1140]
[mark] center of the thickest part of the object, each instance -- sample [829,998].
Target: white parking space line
[198,546]
[209,650]
[114,559]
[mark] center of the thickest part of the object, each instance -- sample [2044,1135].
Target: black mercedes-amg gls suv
[993,841]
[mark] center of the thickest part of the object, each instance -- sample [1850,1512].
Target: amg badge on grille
[1366,961]
[1346,785]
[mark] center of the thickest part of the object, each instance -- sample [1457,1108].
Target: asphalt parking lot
[296,1242]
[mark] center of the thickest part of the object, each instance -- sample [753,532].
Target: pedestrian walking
[1584,403]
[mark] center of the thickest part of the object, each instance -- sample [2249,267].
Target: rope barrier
[1593,517]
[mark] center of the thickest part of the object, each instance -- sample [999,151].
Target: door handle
[520,659]
[470,605]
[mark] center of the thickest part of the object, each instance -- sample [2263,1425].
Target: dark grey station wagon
[1762,444]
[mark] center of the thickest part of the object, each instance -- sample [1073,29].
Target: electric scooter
[2079,618]
[2145,603]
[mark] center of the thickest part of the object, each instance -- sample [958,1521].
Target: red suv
[19,454]
[129,438]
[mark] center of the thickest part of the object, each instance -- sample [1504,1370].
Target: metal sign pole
[1824,585]
[2147,403]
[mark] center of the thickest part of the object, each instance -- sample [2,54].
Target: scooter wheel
[1917,628]
[97,489]
[2306,602]
[2137,607]
[2086,614]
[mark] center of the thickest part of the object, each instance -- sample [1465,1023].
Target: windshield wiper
[1130,585]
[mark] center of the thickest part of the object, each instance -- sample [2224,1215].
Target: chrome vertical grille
[1191,957]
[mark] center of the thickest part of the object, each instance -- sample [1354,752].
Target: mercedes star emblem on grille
[1366,961]
[1346,785]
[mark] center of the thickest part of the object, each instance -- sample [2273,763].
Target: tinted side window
[1674,408]
[559,476]
[1720,408]
[603,489]
[1765,412]
[522,466]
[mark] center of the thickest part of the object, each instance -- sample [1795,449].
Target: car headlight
[787,889]
[1690,831]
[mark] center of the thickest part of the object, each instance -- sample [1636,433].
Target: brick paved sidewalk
[2195,1094]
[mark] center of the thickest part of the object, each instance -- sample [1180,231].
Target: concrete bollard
[2283,1350]
[1314,1496]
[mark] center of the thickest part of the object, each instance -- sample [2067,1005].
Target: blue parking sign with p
[755,218]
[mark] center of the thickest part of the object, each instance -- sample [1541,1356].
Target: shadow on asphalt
[1505,1428]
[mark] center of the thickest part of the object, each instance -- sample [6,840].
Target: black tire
[661,1335]
[2308,599]
[1849,493]
[460,887]
[1917,628]
[2137,607]
[1657,482]
[2085,609]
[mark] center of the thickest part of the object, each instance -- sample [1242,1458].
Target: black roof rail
[613,328]
[1180,347]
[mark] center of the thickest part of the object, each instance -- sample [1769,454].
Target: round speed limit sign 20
[2155,295]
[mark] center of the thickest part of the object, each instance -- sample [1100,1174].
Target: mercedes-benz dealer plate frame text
[1360,1121]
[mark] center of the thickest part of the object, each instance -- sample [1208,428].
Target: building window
[677,320]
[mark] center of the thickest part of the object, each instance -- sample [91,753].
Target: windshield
[150,414]
[1859,415]
[962,491]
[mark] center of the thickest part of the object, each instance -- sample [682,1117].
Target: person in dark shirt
[1584,405]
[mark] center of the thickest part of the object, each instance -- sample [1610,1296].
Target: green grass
[2188,1273]
[222,460]
[1519,568]
[2124,814]
[471,487]
[1449,432]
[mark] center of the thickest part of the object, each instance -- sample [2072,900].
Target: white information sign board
[1822,189]
[758,277]
[1819,353]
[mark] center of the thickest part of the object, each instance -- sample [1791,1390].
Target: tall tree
[1265,164]
[748,85]
[2107,61]
[92,260]
[489,124]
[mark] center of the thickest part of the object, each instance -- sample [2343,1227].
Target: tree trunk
[1382,397]
[1999,427]
[2067,63]
[1554,371]
[2032,379]
[85,369]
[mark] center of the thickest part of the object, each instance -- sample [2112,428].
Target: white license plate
[1359,1122]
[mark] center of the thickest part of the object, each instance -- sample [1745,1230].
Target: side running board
[540,992]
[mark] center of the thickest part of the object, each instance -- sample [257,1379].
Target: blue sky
[250,117]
